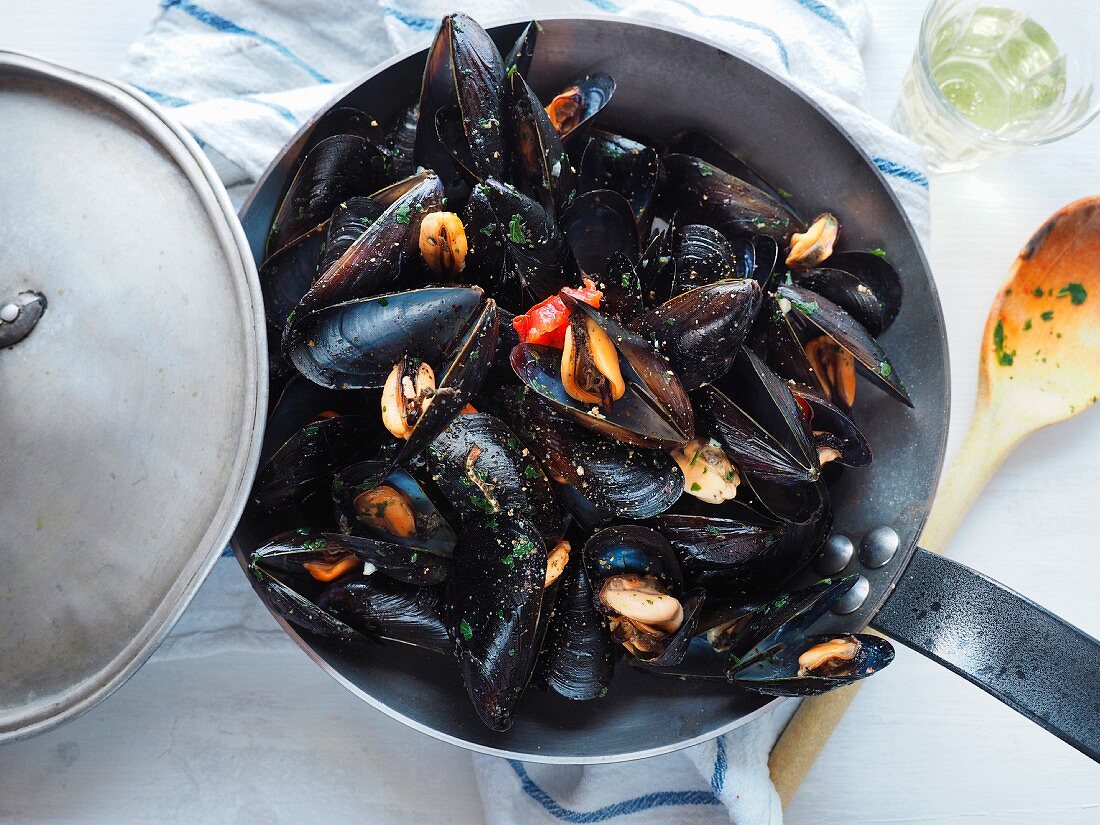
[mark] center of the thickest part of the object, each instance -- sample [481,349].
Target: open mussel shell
[784,621]
[355,344]
[878,275]
[494,602]
[486,473]
[401,141]
[822,314]
[598,224]
[602,477]
[464,70]
[655,411]
[379,255]
[578,655]
[337,168]
[301,403]
[430,528]
[400,562]
[700,331]
[776,340]
[621,287]
[779,673]
[622,165]
[579,102]
[382,608]
[703,146]
[308,459]
[827,417]
[542,169]
[634,549]
[703,193]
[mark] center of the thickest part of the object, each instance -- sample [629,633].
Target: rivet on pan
[854,598]
[9,312]
[878,547]
[834,555]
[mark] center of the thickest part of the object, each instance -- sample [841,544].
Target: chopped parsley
[1046,316]
[1027,325]
[516,234]
[878,251]
[1004,357]
[696,487]
[1037,292]
[465,630]
[402,213]
[1075,291]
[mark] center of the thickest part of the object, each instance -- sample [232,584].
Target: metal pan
[1007,645]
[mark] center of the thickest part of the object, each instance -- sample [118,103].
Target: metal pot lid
[131,415]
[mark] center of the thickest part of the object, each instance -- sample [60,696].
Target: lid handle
[19,315]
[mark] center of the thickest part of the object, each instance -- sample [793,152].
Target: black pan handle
[1012,648]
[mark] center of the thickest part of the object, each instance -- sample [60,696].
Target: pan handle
[1015,650]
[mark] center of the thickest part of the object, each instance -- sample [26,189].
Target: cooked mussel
[703,193]
[610,380]
[700,331]
[579,102]
[863,284]
[542,169]
[613,162]
[773,652]
[577,657]
[604,478]
[637,583]
[494,604]
[383,608]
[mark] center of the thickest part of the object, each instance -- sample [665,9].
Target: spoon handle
[987,443]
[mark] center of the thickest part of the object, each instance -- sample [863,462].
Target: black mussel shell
[777,675]
[781,348]
[578,656]
[826,416]
[379,607]
[542,170]
[878,275]
[847,292]
[485,252]
[356,344]
[379,255]
[726,551]
[822,314]
[703,146]
[411,565]
[486,473]
[463,69]
[579,102]
[300,611]
[288,274]
[494,602]
[621,287]
[622,165]
[348,222]
[597,225]
[307,460]
[701,331]
[335,169]
[534,248]
[608,479]
[519,56]
[654,412]
[432,530]
[767,259]
[301,403]
[699,255]
[401,141]
[703,193]
[784,621]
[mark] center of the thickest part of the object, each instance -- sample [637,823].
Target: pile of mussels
[550,397]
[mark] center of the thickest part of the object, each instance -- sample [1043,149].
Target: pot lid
[131,414]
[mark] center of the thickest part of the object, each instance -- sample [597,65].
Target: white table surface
[267,737]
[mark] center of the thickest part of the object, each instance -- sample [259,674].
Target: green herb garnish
[516,234]
[1075,291]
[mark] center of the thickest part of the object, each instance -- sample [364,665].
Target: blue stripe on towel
[216,21]
[659,799]
[282,111]
[898,170]
[825,13]
[718,778]
[163,99]
[612,8]
[421,24]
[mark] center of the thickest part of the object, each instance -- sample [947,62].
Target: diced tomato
[546,321]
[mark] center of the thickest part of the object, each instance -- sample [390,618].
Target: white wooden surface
[920,745]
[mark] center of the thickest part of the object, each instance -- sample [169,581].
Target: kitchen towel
[244,75]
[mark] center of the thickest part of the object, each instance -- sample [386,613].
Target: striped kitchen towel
[244,75]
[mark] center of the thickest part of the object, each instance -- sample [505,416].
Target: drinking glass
[988,79]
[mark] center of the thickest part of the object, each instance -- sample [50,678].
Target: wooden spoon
[1040,364]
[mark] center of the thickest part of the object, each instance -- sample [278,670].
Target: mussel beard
[590,364]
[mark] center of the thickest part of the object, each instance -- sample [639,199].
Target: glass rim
[993,137]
